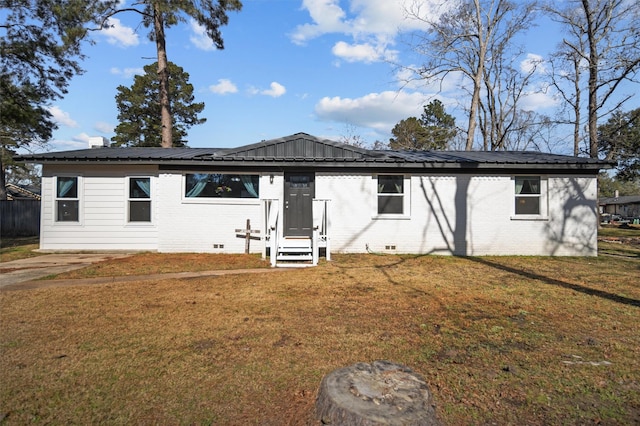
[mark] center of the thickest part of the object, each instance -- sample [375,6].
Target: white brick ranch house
[306,196]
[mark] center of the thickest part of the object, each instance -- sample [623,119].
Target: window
[528,190]
[390,194]
[299,181]
[218,185]
[67,201]
[139,199]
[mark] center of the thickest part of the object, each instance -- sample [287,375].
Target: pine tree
[139,109]
[40,51]
[162,14]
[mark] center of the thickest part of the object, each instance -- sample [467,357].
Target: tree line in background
[474,40]
[41,50]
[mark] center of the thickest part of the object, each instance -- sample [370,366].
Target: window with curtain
[139,199]
[527,195]
[390,194]
[67,201]
[220,185]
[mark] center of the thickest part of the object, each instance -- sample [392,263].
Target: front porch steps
[294,252]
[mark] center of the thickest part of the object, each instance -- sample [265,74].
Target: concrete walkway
[33,268]
[24,274]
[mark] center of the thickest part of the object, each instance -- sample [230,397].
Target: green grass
[619,231]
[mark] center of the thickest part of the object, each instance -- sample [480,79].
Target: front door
[299,190]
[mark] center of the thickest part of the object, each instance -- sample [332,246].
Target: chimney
[616,194]
[98,142]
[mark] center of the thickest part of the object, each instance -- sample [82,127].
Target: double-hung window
[529,196]
[139,199]
[391,195]
[67,200]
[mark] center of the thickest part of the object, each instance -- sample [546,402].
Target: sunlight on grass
[504,340]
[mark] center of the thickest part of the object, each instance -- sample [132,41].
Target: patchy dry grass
[157,263]
[501,340]
[18,248]
[619,240]
[619,231]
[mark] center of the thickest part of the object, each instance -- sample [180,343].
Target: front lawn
[500,340]
[18,248]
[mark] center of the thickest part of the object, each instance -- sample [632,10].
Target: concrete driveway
[33,268]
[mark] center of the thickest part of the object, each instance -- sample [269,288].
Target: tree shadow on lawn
[384,270]
[552,281]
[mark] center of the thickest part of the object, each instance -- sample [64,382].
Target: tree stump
[380,393]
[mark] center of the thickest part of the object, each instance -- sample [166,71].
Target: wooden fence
[20,218]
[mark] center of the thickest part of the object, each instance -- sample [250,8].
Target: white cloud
[449,86]
[275,90]
[223,87]
[538,100]
[103,127]
[199,38]
[362,52]
[379,17]
[120,35]
[127,72]
[66,145]
[372,24]
[82,137]
[79,141]
[380,111]
[327,17]
[532,63]
[62,117]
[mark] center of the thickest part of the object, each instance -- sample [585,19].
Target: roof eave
[331,163]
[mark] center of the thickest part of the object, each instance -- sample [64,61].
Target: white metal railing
[270,212]
[321,225]
[321,222]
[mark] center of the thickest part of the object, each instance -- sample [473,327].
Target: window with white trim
[67,200]
[529,196]
[139,199]
[391,194]
[221,185]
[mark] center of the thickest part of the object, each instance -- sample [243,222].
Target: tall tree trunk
[593,80]
[163,77]
[473,111]
[576,107]
[3,182]
[477,78]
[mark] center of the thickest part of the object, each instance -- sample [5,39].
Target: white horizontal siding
[102,194]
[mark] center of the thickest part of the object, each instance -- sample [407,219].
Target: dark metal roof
[18,192]
[625,199]
[305,150]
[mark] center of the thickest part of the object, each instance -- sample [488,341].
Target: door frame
[300,214]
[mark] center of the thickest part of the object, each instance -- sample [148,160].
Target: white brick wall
[461,214]
[468,215]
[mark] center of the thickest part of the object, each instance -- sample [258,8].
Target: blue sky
[323,67]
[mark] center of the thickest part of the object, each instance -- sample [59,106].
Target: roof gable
[299,145]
